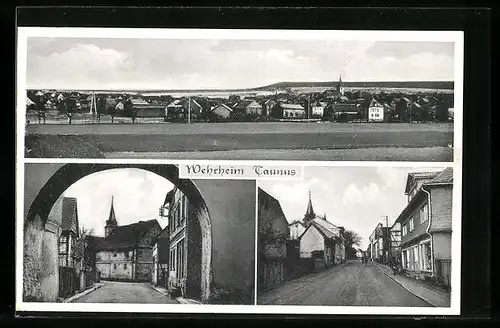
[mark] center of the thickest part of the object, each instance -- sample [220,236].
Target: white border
[443,36]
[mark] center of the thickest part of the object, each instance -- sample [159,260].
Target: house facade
[222,111]
[161,249]
[292,111]
[126,252]
[395,244]
[426,226]
[273,233]
[375,111]
[249,107]
[297,228]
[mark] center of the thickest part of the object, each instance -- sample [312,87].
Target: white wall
[296,230]
[312,240]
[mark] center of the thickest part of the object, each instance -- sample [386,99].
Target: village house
[290,111]
[297,228]
[126,252]
[395,233]
[269,104]
[143,108]
[322,243]
[318,108]
[426,226]
[161,249]
[222,111]
[68,264]
[249,107]
[272,235]
[376,112]
[180,109]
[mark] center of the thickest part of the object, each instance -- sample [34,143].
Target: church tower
[310,211]
[111,223]
[340,87]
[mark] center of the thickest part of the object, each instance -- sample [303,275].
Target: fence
[443,272]
[271,273]
[69,283]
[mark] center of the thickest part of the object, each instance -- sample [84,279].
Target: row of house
[420,238]
[332,104]
[289,250]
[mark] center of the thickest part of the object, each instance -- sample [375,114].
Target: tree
[86,232]
[269,238]
[67,106]
[130,111]
[101,107]
[351,239]
[40,108]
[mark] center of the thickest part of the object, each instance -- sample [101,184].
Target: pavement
[180,300]
[83,293]
[350,284]
[125,292]
[435,296]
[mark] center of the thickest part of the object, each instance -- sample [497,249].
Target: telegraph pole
[189,110]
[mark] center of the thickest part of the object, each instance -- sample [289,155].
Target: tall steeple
[340,87]
[310,211]
[111,222]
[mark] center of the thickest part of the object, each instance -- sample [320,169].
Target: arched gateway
[40,235]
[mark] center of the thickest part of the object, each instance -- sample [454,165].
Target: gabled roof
[29,102]
[446,176]
[70,215]
[170,196]
[375,103]
[326,229]
[242,104]
[297,221]
[129,235]
[223,105]
[138,101]
[414,176]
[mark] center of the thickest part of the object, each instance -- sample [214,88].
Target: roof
[326,228]
[223,105]
[70,214]
[169,196]
[413,176]
[138,101]
[375,103]
[129,235]
[112,216]
[242,104]
[297,221]
[29,102]
[292,106]
[445,177]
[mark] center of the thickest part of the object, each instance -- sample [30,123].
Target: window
[415,258]
[424,213]
[114,265]
[404,230]
[114,254]
[62,244]
[411,225]
[125,266]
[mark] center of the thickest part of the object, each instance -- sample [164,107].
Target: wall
[144,264]
[442,245]
[106,262]
[231,206]
[271,220]
[442,201]
[221,112]
[40,265]
[312,240]
[419,228]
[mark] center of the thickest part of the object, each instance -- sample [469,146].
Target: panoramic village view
[356,236]
[375,100]
[152,242]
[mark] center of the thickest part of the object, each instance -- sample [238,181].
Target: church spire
[111,222]
[310,211]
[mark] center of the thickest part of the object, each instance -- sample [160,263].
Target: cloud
[184,64]
[367,194]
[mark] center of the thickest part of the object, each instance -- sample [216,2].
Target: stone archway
[58,179]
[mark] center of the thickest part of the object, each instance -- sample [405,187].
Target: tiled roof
[446,176]
[139,102]
[127,236]
[69,214]
[327,229]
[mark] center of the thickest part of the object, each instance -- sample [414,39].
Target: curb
[181,300]
[87,291]
[409,291]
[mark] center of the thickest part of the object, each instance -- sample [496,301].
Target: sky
[98,63]
[138,195]
[356,198]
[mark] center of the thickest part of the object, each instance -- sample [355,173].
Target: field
[300,141]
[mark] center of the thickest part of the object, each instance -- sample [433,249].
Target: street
[351,284]
[125,292]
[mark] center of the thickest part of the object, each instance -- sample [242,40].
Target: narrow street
[125,292]
[351,284]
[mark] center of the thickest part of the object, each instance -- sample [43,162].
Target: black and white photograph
[247,95]
[136,234]
[358,236]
